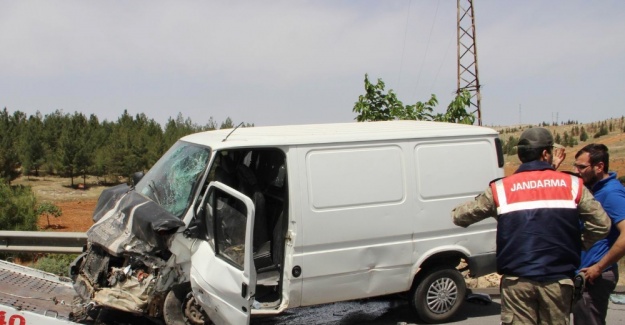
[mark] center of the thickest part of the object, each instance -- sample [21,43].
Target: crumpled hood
[129,222]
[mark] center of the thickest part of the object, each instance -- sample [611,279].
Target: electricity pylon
[468,78]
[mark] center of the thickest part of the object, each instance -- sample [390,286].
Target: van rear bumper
[482,264]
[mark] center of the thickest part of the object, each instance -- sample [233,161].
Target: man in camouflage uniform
[538,212]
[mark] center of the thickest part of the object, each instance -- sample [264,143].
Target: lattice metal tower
[467,56]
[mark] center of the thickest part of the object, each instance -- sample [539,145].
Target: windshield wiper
[152,187]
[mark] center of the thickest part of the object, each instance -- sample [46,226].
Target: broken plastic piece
[479,298]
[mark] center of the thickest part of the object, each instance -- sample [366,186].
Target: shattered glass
[172,180]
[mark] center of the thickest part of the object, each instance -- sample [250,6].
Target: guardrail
[42,242]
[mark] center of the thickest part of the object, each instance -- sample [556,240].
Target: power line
[403,50]
[427,46]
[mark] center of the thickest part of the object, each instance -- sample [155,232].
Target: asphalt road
[389,310]
[394,310]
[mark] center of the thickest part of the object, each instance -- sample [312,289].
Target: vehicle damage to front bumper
[127,265]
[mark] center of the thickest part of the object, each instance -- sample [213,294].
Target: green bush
[622,180]
[17,208]
[55,263]
[48,209]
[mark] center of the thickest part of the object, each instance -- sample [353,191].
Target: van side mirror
[136,177]
[197,227]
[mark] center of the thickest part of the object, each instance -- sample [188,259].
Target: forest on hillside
[74,145]
[578,133]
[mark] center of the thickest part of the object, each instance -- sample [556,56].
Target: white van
[257,220]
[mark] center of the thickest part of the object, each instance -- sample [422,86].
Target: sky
[301,62]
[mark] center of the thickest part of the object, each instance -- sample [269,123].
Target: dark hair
[597,152]
[527,154]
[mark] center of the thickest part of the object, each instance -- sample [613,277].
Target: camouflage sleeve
[482,207]
[595,219]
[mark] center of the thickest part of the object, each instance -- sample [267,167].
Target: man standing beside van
[599,262]
[538,211]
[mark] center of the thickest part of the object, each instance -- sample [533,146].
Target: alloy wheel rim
[442,295]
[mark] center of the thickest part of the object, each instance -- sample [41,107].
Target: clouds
[283,62]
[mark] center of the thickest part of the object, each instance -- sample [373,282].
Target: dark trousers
[592,308]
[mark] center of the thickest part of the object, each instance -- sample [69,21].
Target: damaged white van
[234,223]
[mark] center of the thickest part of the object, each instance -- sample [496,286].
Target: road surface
[394,310]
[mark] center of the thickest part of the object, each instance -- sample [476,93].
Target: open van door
[223,277]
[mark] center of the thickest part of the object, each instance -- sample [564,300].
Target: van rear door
[223,278]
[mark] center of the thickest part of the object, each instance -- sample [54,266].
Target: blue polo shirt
[611,194]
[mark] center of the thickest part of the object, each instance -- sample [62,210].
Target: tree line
[74,145]
[577,133]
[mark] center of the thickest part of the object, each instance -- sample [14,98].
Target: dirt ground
[76,216]
[77,203]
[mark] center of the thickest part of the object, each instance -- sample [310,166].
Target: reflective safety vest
[538,229]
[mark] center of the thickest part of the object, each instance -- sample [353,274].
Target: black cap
[537,138]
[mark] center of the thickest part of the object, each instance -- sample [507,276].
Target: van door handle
[244,290]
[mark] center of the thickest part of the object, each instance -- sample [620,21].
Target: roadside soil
[76,202]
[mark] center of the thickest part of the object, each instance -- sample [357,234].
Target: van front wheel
[180,308]
[439,295]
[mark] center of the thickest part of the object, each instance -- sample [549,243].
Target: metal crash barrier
[42,242]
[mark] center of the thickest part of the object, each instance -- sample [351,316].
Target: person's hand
[558,157]
[592,272]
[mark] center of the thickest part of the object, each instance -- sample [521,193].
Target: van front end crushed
[132,284]
[127,265]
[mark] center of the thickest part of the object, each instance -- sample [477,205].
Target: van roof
[333,133]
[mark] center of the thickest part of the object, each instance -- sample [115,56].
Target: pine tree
[9,160]
[583,136]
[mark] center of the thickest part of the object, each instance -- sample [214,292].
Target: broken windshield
[171,181]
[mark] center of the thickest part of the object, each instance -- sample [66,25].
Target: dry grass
[59,189]
[77,204]
[615,142]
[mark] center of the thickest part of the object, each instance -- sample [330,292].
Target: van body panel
[359,168]
[448,169]
[296,135]
[354,239]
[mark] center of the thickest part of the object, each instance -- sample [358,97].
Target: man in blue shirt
[599,263]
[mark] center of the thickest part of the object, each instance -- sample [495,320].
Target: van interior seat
[222,176]
[249,186]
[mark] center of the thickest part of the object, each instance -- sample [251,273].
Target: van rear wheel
[439,295]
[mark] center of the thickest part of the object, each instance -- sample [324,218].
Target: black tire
[180,308]
[438,295]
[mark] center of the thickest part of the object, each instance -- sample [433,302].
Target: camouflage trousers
[524,301]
